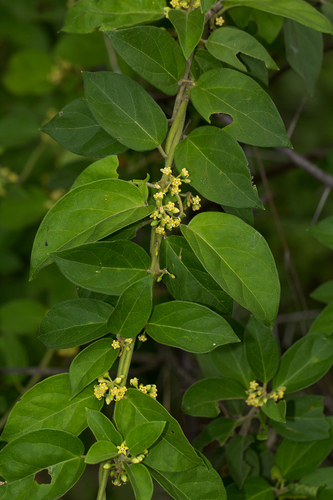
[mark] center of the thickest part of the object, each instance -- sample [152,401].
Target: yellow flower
[185,172]
[159,195]
[219,21]
[100,390]
[142,338]
[166,170]
[122,449]
[170,206]
[160,230]
[134,381]
[115,344]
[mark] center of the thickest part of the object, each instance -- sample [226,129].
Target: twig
[306,165]
[321,204]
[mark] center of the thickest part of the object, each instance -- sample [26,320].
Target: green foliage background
[41,72]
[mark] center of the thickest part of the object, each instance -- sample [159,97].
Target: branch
[306,165]
[214,10]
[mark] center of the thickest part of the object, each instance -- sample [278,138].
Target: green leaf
[86,15]
[133,309]
[125,110]
[217,167]
[256,120]
[191,282]
[172,452]
[295,460]
[189,26]
[254,488]
[48,405]
[102,428]
[55,450]
[232,252]
[220,429]
[74,322]
[324,292]
[268,25]
[152,53]
[201,399]
[304,52]
[203,61]
[194,484]
[100,451]
[143,436]
[238,468]
[324,321]
[321,477]
[226,43]
[206,4]
[275,411]
[323,231]
[91,363]
[141,481]
[305,420]
[107,266]
[189,326]
[76,130]
[86,214]
[298,10]
[231,362]
[305,362]
[101,169]
[261,349]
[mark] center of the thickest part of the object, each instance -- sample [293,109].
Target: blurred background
[41,73]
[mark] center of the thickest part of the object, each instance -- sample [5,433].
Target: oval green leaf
[189,326]
[152,53]
[76,130]
[298,10]
[323,231]
[86,15]
[91,363]
[239,260]
[48,405]
[219,429]
[201,399]
[101,169]
[133,309]
[100,451]
[217,167]
[226,43]
[189,26]
[143,436]
[256,120]
[305,420]
[74,322]
[305,362]
[55,450]
[295,460]
[141,481]
[125,110]
[107,266]
[87,213]
[102,427]
[261,349]
[191,281]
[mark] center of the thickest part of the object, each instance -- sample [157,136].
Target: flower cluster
[257,396]
[149,389]
[166,215]
[109,389]
[123,344]
[117,469]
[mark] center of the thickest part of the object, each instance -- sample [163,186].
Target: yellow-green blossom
[115,344]
[142,338]
[122,449]
[219,21]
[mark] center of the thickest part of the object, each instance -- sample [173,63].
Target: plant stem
[125,362]
[103,479]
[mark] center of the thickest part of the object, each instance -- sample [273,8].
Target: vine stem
[103,479]
[125,362]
